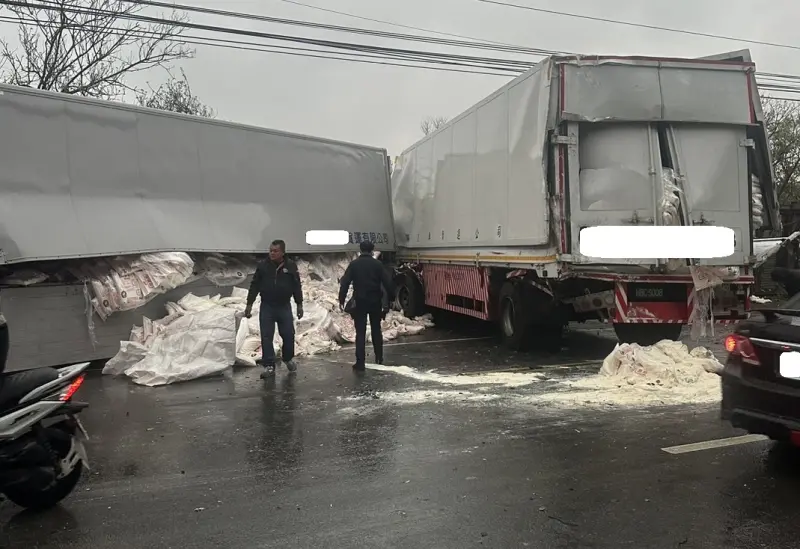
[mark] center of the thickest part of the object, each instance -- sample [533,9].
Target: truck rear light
[738,345]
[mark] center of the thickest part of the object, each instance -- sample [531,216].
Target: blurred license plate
[790,365]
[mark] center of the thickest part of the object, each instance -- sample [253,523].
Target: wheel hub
[508,318]
[404,298]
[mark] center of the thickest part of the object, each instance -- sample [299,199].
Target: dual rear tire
[527,319]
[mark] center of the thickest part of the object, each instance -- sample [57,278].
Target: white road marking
[710,444]
[436,341]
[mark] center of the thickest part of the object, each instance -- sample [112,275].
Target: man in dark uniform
[368,277]
[277,280]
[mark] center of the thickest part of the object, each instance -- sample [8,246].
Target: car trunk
[781,329]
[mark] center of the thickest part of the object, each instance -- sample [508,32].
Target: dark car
[761,379]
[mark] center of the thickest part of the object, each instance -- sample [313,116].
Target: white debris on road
[503,379]
[667,363]
[199,336]
[756,299]
[631,376]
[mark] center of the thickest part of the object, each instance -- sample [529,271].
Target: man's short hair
[279,243]
[366,247]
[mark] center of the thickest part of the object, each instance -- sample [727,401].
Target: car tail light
[738,345]
[72,388]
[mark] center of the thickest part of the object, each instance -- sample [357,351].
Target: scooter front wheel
[39,500]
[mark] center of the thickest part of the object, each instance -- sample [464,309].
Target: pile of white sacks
[205,335]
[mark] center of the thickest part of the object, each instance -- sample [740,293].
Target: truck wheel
[514,317]
[410,296]
[647,334]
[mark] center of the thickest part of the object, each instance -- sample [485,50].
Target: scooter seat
[15,385]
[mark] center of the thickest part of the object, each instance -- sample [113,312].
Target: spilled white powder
[631,376]
[503,379]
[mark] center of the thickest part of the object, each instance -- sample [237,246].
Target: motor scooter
[42,450]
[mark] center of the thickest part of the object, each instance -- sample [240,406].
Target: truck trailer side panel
[87,178]
[481,180]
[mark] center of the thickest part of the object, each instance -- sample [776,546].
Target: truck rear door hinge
[563,140]
[747,143]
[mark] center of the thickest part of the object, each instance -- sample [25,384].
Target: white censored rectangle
[790,365]
[658,242]
[327,238]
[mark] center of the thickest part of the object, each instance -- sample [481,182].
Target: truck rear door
[614,179]
[626,123]
[712,159]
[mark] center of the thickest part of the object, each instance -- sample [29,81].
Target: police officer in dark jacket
[369,279]
[277,280]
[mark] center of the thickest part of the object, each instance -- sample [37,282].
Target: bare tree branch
[89,52]
[432,123]
[175,95]
[782,120]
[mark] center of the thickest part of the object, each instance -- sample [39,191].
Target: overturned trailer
[490,207]
[85,179]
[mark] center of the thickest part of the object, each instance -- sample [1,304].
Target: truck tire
[514,317]
[410,296]
[647,334]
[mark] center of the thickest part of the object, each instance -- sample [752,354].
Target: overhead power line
[393,23]
[640,25]
[482,45]
[348,52]
[344,29]
[349,46]
[372,59]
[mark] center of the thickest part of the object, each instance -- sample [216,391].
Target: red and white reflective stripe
[620,302]
[646,321]
[461,280]
[562,199]
[671,321]
[727,322]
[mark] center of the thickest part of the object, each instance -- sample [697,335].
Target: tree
[87,47]
[432,123]
[782,120]
[175,95]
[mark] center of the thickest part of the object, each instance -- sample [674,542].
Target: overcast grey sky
[383,106]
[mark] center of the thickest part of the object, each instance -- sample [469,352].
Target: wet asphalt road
[321,459]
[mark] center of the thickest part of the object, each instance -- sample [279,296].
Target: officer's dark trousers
[360,317]
[268,316]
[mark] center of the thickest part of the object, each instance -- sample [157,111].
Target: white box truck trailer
[83,178]
[489,208]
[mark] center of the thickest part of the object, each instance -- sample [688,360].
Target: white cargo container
[88,178]
[84,178]
[489,208]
